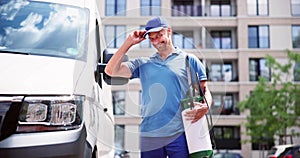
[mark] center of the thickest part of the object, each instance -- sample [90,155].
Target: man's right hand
[115,67]
[136,37]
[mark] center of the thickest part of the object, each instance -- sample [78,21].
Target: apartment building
[231,37]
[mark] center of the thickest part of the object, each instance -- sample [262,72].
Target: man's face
[160,40]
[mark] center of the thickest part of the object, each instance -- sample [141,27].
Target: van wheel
[95,153]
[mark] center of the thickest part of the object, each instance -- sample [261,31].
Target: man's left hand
[199,110]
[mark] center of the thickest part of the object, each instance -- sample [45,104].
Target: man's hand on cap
[136,36]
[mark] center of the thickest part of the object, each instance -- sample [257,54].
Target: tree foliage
[274,106]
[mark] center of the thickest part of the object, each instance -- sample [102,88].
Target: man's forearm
[114,66]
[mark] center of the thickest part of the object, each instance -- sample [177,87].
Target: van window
[46,29]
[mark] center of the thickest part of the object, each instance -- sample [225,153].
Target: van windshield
[45,29]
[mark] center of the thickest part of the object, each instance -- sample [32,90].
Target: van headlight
[50,113]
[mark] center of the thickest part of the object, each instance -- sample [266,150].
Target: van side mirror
[107,54]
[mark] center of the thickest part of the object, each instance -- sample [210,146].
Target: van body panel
[28,74]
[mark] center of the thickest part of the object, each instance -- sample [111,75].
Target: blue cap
[155,24]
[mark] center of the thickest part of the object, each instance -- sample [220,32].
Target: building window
[224,104]
[115,7]
[119,138]
[296,36]
[227,137]
[222,39]
[118,102]
[186,8]
[114,35]
[258,7]
[220,8]
[258,69]
[295,7]
[221,72]
[150,7]
[183,39]
[258,37]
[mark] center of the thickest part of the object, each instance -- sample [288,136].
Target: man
[164,83]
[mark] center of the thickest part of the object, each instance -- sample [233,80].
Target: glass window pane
[110,36]
[263,37]
[296,36]
[262,7]
[110,8]
[115,36]
[145,3]
[258,68]
[253,70]
[217,100]
[145,11]
[252,37]
[222,39]
[295,7]
[188,43]
[228,133]
[49,29]
[226,40]
[225,10]
[155,10]
[228,102]
[227,72]
[264,70]
[226,34]
[215,10]
[121,7]
[216,72]
[226,43]
[120,35]
[145,7]
[178,40]
[252,7]
[217,42]
[216,37]
[156,3]
[183,39]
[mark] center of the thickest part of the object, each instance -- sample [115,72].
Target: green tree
[274,106]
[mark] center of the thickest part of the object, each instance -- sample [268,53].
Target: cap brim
[156,29]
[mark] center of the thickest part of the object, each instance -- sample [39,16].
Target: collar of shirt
[157,57]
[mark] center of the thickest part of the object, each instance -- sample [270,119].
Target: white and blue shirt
[164,83]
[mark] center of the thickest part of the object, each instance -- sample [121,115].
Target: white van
[53,101]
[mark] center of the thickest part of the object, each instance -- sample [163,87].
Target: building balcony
[209,11]
[186,10]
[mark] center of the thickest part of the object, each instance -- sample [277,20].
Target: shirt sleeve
[134,67]
[197,67]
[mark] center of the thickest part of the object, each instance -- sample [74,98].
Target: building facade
[231,37]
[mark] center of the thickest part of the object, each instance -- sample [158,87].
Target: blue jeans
[173,147]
